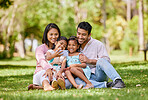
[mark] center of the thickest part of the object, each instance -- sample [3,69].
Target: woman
[43,72]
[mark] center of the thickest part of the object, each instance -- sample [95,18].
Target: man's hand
[48,73]
[83,58]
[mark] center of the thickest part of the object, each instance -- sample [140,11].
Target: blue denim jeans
[103,70]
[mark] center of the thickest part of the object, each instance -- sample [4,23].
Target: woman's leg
[79,73]
[47,86]
[71,79]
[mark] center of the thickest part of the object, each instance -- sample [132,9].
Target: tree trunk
[107,42]
[9,32]
[32,38]
[77,14]
[130,51]
[134,9]
[128,10]
[104,14]
[20,46]
[141,32]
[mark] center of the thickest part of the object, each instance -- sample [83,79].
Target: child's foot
[88,86]
[48,88]
[61,83]
[79,86]
[33,86]
[54,84]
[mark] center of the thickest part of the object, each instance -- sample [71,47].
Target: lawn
[16,74]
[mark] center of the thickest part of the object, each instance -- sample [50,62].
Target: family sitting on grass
[85,65]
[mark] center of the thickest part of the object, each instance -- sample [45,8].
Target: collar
[89,42]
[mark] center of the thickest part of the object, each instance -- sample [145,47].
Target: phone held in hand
[64,52]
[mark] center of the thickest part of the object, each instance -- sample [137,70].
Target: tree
[141,32]
[5,3]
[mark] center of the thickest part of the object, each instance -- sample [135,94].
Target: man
[95,55]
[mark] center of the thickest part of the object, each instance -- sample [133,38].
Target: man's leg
[93,81]
[104,67]
[68,85]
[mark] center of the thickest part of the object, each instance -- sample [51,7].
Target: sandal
[54,84]
[61,83]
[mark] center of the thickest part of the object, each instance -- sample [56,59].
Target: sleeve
[40,57]
[102,52]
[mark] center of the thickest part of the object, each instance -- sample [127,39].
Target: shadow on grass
[15,82]
[126,64]
[15,66]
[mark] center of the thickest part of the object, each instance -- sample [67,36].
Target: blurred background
[122,25]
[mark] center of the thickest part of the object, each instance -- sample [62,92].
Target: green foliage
[146,27]
[5,3]
[32,16]
[115,30]
[130,37]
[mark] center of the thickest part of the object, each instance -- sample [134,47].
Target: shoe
[54,84]
[118,84]
[80,86]
[89,87]
[109,84]
[61,83]
[33,86]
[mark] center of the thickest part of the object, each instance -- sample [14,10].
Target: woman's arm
[40,58]
[63,65]
[50,56]
[59,74]
[42,62]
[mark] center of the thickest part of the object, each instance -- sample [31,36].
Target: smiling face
[52,35]
[72,46]
[61,44]
[82,36]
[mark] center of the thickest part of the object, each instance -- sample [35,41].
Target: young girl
[75,67]
[57,62]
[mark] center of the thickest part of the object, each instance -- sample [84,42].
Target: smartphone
[64,52]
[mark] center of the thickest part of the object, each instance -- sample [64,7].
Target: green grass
[17,74]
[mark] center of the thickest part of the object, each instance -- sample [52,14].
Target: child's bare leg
[47,86]
[71,79]
[79,73]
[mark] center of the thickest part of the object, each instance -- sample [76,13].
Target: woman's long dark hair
[48,27]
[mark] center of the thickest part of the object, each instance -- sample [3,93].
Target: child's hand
[59,75]
[57,53]
[83,58]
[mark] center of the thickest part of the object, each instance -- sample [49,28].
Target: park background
[122,25]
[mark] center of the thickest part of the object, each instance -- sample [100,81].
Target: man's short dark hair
[86,26]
